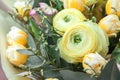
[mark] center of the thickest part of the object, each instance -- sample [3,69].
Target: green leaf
[34,28]
[110,72]
[54,55]
[31,42]
[116,54]
[71,75]
[25,51]
[35,62]
[50,71]
[113,41]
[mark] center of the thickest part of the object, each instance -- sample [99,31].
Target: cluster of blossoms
[81,39]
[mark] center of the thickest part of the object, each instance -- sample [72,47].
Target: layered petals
[82,39]
[67,18]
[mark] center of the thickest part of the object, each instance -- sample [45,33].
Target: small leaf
[31,42]
[35,29]
[116,54]
[110,72]
[54,55]
[50,71]
[34,62]
[25,51]
[71,75]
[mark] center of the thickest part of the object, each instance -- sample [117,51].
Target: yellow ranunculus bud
[51,79]
[78,4]
[67,18]
[113,7]
[15,57]
[81,39]
[93,63]
[22,8]
[110,24]
[16,35]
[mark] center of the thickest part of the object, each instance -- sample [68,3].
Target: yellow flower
[90,2]
[93,63]
[113,7]
[78,4]
[22,8]
[66,18]
[51,79]
[81,39]
[15,57]
[110,24]
[16,35]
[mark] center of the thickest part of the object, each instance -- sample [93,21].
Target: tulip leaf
[72,75]
[110,72]
[31,42]
[25,51]
[34,28]
[116,54]
[35,62]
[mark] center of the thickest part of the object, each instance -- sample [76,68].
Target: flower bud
[15,57]
[78,4]
[93,63]
[22,8]
[47,9]
[113,7]
[110,24]
[16,35]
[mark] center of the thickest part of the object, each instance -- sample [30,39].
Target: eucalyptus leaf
[71,75]
[54,55]
[50,71]
[43,50]
[25,51]
[116,54]
[31,42]
[34,62]
[110,72]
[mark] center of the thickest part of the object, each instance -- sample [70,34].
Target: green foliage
[110,72]
[71,75]
[35,62]
[25,51]
[116,54]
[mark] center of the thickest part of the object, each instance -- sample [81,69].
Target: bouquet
[65,39]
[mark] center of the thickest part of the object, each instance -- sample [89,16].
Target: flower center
[77,39]
[66,18]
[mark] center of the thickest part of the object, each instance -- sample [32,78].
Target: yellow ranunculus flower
[78,4]
[93,63]
[81,39]
[16,35]
[22,8]
[113,7]
[67,18]
[110,24]
[15,57]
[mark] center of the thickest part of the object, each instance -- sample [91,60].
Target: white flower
[93,63]
[16,35]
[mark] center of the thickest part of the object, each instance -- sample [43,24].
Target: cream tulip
[16,35]
[16,58]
